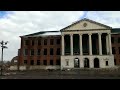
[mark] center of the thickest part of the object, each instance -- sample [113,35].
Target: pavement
[74,74]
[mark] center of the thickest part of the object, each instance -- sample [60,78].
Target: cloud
[110,18]
[18,23]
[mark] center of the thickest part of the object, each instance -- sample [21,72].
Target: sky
[18,23]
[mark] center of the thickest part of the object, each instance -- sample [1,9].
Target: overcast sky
[17,23]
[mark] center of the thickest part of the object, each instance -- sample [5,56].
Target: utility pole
[3,46]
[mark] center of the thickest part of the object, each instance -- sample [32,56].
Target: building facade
[83,44]
[40,50]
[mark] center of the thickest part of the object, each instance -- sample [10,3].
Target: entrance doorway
[86,63]
[96,63]
[76,63]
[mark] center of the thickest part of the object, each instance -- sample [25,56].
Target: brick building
[48,49]
[115,39]
[41,49]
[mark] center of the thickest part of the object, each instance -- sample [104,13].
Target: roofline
[38,32]
[115,28]
[87,20]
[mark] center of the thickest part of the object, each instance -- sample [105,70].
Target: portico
[90,44]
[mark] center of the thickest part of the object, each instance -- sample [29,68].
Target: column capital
[81,34]
[99,33]
[108,33]
[89,33]
[71,34]
[63,35]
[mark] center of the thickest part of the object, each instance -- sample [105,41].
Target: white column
[90,44]
[71,41]
[81,50]
[100,44]
[110,46]
[107,44]
[62,44]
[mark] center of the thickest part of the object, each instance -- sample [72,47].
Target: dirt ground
[57,74]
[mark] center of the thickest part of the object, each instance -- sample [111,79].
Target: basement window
[67,62]
[106,63]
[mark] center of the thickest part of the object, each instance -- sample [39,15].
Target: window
[26,42]
[51,41]
[119,50]
[45,42]
[115,61]
[51,62]
[106,63]
[26,52]
[38,52]
[32,62]
[32,51]
[45,51]
[38,62]
[112,39]
[25,61]
[58,41]
[39,42]
[33,42]
[67,62]
[113,50]
[51,51]
[45,62]
[119,40]
[58,62]
[58,51]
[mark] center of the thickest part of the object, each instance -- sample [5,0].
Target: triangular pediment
[85,24]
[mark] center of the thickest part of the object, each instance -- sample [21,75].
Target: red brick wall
[41,57]
[116,45]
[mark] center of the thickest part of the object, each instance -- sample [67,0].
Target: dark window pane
[38,52]
[38,62]
[26,42]
[25,61]
[112,39]
[32,62]
[115,61]
[119,40]
[57,62]
[51,41]
[45,51]
[45,42]
[58,51]
[32,51]
[58,41]
[51,51]
[51,62]
[45,62]
[33,42]
[119,50]
[113,50]
[106,63]
[39,42]
[26,52]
